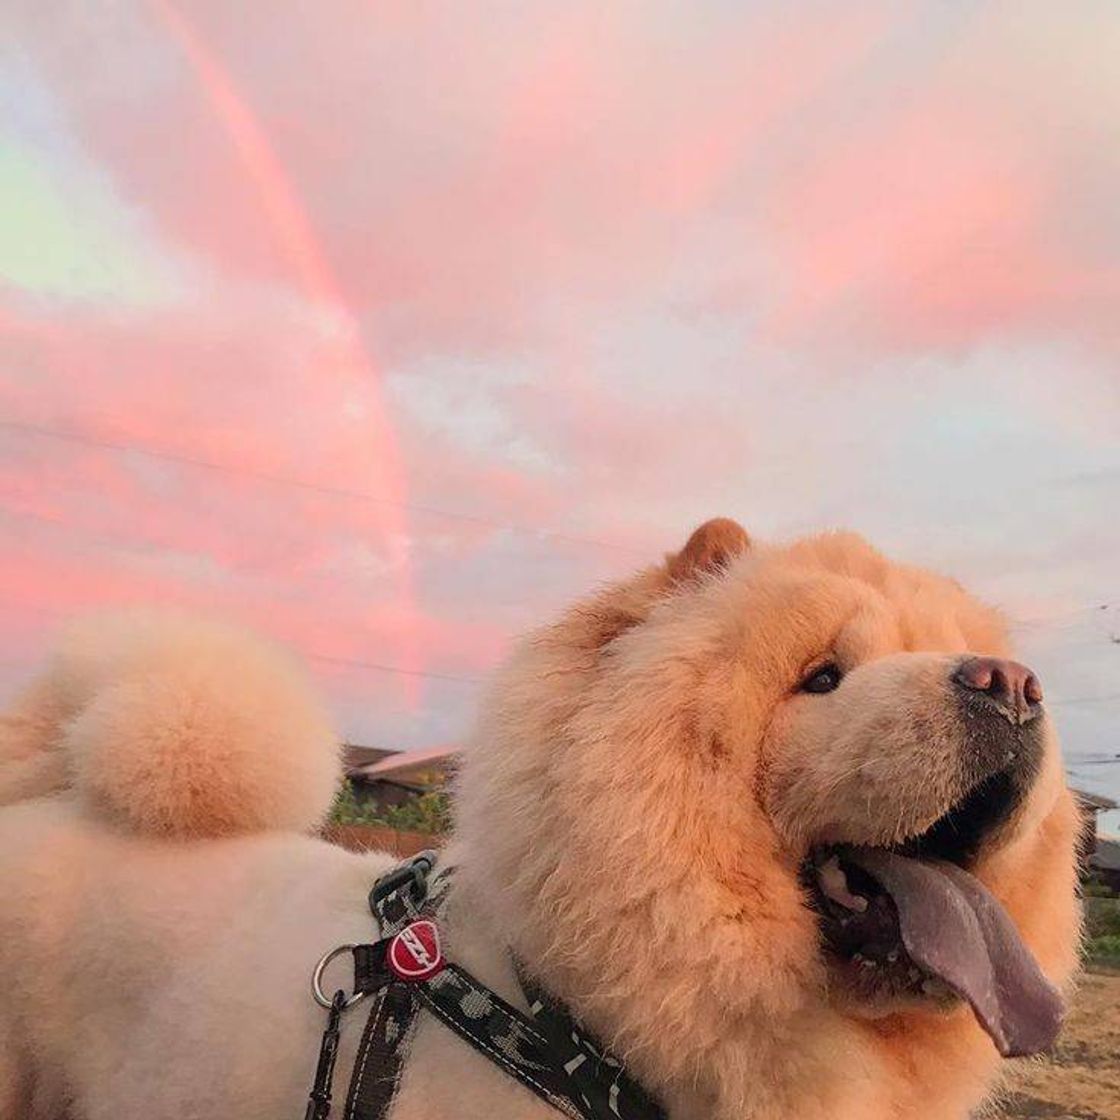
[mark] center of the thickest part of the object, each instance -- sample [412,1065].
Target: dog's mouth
[910,921]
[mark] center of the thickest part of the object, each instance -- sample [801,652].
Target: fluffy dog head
[710,782]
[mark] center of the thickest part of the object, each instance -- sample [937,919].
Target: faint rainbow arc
[287,217]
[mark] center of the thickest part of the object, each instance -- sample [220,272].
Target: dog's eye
[826,678]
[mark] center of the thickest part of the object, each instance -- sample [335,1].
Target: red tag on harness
[415,953]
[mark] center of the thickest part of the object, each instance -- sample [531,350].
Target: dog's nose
[1008,686]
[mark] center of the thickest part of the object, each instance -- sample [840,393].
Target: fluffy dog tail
[170,725]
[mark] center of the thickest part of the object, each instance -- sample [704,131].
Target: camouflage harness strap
[406,971]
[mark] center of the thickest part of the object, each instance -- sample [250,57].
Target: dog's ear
[598,621]
[710,549]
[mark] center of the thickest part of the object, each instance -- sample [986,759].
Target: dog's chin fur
[633,814]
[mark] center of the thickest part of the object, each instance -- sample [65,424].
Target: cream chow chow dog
[785,827]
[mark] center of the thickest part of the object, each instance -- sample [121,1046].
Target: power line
[1065,620]
[393,669]
[77,438]
[1106,698]
[398,670]
[1097,641]
[356,663]
[64,436]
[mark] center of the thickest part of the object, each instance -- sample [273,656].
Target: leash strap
[319,1104]
[405,971]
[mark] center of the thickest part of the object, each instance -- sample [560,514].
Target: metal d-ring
[321,997]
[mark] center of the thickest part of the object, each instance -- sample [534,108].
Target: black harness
[406,971]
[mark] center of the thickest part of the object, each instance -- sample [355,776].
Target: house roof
[1095,800]
[354,755]
[1107,855]
[400,765]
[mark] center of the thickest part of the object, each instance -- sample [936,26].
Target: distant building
[1093,803]
[1105,862]
[1090,842]
[355,756]
[385,778]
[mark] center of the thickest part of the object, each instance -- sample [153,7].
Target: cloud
[393,329]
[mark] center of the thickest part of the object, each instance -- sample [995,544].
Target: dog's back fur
[164,903]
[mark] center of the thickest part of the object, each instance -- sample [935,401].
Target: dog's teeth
[857,957]
[868,964]
[834,883]
[892,956]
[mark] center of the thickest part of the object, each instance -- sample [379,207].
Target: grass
[1102,928]
[1104,949]
[424,812]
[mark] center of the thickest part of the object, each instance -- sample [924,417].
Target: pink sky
[392,328]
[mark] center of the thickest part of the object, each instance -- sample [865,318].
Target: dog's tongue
[953,928]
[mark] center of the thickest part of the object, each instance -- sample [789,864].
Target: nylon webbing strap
[547,1053]
[596,1076]
[502,1034]
[397,899]
[384,1048]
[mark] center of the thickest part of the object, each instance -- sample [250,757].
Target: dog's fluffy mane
[641,881]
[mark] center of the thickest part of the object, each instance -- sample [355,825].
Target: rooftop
[1107,855]
[1095,800]
[400,765]
[354,755]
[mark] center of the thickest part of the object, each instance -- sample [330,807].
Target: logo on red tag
[415,953]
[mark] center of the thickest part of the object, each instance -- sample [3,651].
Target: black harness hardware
[415,872]
[406,970]
[319,1104]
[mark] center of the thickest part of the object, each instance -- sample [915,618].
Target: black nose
[1011,688]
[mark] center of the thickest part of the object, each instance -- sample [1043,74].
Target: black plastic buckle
[415,871]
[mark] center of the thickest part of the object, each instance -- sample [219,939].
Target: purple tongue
[953,928]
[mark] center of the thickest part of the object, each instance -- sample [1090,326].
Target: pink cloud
[719,258]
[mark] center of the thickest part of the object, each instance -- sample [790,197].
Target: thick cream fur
[634,805]
[172,725]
